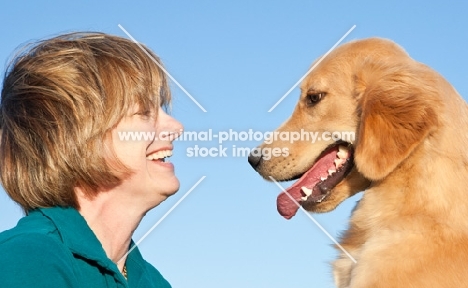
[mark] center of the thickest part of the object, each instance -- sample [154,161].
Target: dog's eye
[314,98]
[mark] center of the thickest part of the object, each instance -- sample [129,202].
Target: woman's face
[143,144]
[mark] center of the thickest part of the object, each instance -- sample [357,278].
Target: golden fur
[411,227]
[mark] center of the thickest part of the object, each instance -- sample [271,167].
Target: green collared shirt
[54,247]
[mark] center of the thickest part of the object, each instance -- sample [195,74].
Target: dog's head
[362,111]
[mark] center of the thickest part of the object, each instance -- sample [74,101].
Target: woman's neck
[112,221]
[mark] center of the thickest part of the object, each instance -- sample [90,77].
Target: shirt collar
[81,240]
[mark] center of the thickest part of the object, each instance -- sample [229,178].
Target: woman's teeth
[161,154]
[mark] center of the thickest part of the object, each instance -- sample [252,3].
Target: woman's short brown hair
[60,99]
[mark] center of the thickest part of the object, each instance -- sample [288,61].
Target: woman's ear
[397,108]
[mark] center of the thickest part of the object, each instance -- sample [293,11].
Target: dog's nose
[254,160]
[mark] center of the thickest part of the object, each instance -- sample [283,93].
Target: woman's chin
[171,188]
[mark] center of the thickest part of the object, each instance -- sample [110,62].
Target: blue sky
[237,58]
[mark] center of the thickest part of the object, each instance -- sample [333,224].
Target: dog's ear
[397,104]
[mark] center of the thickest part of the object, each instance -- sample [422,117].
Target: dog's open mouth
[332,166]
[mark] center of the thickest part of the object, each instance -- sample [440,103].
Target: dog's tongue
[285,205]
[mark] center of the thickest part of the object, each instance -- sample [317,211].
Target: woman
[65,103]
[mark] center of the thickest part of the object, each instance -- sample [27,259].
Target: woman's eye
[146,113]
[314,98]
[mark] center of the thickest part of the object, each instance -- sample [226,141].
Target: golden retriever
[410,229]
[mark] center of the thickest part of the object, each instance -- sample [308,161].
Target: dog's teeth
[306,191]
[323,178]
[337,162]
[321,199]
[342,152]
[331,171]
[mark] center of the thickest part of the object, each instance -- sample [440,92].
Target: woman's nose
[170,128]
